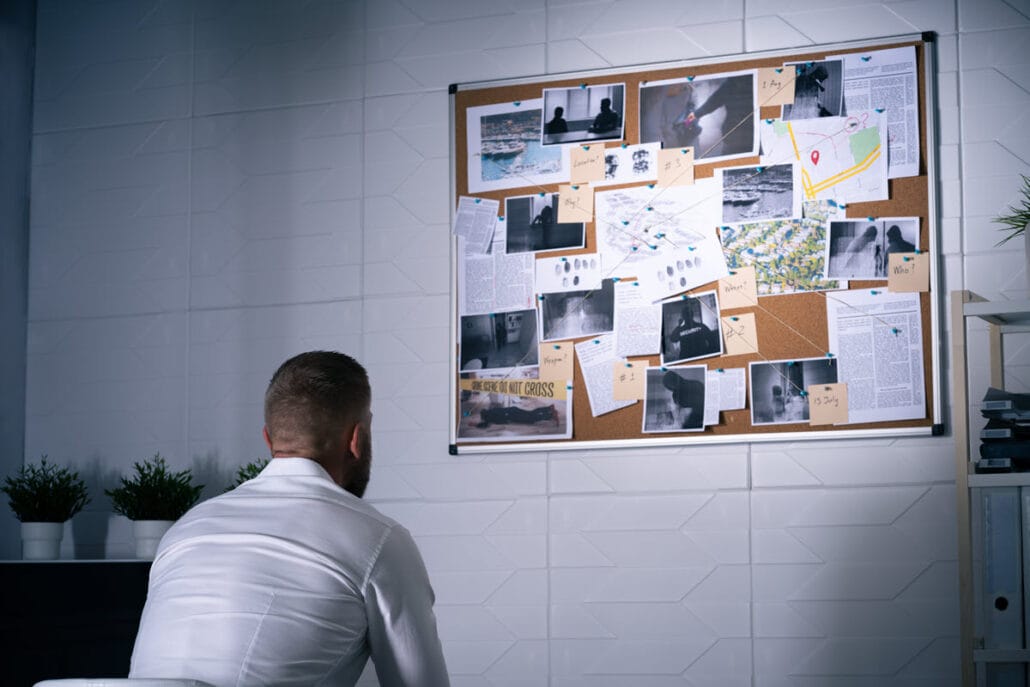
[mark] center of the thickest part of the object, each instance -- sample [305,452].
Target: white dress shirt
[288,580]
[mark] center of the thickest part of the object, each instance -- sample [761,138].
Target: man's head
[318,406]
[606,104]
[559,111]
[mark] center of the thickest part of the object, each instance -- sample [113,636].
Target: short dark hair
[314,397]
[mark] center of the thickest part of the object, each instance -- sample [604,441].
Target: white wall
[17,46]
[218,185]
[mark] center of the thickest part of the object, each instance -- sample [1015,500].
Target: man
[691,336]
[606,120]
[292,579]
[557,125]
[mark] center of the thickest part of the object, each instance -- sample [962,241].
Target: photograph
[499,341]
[818,90]
[513,406]
[789,255]
[504,148]
[575,115]
[533,225]
[572,314]
[858,249]
[776,387]
[759,193]
[674,399]
[630,165]
[715,114]
[691,328]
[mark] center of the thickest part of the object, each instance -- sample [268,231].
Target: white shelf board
[1013,315]
[1001,655]
[1000,479]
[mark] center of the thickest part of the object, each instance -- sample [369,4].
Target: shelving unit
[1003,317]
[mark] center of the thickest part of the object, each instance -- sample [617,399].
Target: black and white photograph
[818,90]
[572,314]
[690,328]
[674,399]
[630,165]
[533,225]
[859,249]
[777,386]
[577,114]
[504,148]
[499,341]
[715,115]
[750,194]
[487,415]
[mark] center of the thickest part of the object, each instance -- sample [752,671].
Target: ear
[268,439]
[355,440]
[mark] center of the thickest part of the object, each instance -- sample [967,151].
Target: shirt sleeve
[402,637]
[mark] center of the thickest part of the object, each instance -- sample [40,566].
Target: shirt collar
[298,466]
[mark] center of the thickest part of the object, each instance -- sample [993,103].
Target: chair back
[121,682]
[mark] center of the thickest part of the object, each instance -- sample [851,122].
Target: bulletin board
[689,167]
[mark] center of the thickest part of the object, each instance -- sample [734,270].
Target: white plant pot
[148,535]
[41,541]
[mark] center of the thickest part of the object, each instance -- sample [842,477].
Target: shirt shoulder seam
[367,576]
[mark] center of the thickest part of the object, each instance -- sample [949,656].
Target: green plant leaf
[154,492]
[45,492]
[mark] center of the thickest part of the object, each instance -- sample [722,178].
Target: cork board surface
[790,326]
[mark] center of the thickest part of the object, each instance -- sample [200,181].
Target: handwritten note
[575,203]
[675,166]
[587,164]
[828,403]
[555,361]
[908,272]
[740,334]
[776,86]
[739,289]
[629,377]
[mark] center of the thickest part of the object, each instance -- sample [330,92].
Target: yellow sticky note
[628,380]
[739,289]
[555,361]
[827,403]
[575,203]
[776,86]
[907,272]
[675,166]
[587,164]
[740,334]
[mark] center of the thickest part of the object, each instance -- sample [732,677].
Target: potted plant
[43,497]
[154,498]
[248,472]
[1014,223]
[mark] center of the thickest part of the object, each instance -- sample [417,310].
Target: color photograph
[715,115]
[504,148]
[514,406]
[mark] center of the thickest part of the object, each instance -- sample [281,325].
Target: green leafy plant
[155,492]
[1014,223]
[248,471]
[45,493]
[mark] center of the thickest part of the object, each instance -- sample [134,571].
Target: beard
[358,478]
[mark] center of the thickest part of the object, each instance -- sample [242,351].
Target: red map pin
[815,157]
